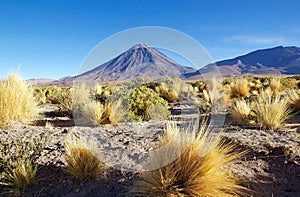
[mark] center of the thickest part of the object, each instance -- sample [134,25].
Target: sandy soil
[270,168]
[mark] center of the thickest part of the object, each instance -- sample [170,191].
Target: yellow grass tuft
[199,168]
[276,86]
[17,102]
[240,112]
[239,89]
[109,113]
[213,97]
[295,100]
[49,125]
[271,111]
[82,159]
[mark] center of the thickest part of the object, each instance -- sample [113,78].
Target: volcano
[138,61]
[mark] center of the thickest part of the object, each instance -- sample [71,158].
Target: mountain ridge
[277,60]
[144,61]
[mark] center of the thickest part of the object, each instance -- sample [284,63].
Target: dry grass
[295,100]
[239,89]
[240,112]
[276,86]
[81,95]
[170,92]
[48,125]
[16,180]
[17,156]
[17,102]
[189,164]
[62,97]
[82,159]
[109,113]
[93,113]
[117,111]
[271,111]
[213,98]
[167,93]
[215,93]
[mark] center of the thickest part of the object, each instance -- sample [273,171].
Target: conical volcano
[138,61]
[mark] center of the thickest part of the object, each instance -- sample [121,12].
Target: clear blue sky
[50,38]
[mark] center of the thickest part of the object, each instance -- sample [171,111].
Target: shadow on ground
[58,183]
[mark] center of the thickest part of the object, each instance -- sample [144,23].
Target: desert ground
[271,166]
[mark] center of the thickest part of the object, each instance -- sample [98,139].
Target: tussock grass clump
[199,86]
[276,86]
[212,98]
[17,169]
[240,112]
[171,89]
[16,180]
[295,100]
[215,94]
[239,89]
[82,158]
[17,102]
[189,164]
[271,111]
[108,113]
[168,93]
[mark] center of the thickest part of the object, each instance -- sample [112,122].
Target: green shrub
[39,94]
[289,82]
[142,100]
[63,99]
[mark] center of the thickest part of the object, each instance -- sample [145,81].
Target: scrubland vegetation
[17,102]
[191,164]
[83,159]
[262,103]
[17,168]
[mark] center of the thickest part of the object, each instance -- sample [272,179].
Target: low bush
[141,101]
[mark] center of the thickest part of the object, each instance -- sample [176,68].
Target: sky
[51,38]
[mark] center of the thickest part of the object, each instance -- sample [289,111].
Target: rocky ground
[270,168]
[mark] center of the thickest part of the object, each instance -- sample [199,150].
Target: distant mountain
[138,61]
[144,61]
[39,82]
[278,60]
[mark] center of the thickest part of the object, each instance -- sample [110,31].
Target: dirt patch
[270,168]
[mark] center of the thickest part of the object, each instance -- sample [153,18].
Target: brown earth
[270,168]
